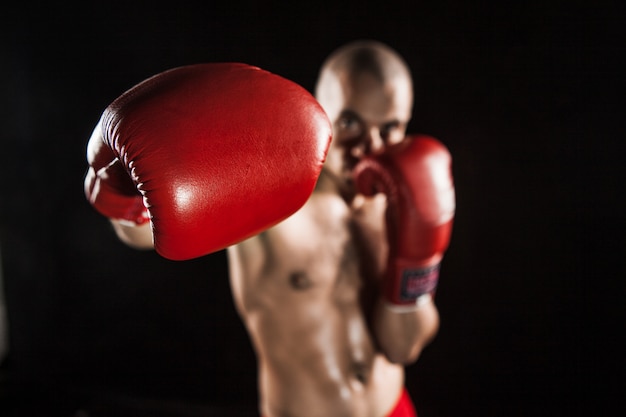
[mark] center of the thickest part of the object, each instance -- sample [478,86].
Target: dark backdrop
[527,97]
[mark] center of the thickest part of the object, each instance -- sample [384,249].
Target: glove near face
[211,154]
[416,177]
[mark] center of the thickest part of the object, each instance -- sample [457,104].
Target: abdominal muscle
[322,369]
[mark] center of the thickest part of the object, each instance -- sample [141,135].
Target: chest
[326,244]
[327,252]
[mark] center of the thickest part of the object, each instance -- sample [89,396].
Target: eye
[350,129]
[388,128]
[392,132]
[348,123]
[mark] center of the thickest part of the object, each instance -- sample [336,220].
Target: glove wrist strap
[408,282]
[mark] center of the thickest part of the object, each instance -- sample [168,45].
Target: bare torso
[302,290]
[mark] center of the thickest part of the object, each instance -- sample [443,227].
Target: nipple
[300,281]
[361,372]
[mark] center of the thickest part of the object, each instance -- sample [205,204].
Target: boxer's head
[366,89]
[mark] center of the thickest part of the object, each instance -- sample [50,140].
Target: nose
[374,143]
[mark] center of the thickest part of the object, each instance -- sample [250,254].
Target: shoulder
[325,215]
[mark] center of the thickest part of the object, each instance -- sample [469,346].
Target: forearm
[416,177]
[403,333]
[135,236]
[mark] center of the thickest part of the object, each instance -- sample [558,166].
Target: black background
[527,97]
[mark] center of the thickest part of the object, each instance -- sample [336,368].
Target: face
[367,117]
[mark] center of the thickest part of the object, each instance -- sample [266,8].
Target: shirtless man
[321,293]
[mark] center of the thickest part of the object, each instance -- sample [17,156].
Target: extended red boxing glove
[108,186]
[211,154]
[416,177]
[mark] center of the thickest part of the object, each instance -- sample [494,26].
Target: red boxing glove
[417,180]
[211,153]
[109,188]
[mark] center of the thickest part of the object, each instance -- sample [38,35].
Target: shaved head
[366,90]
[356,61]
